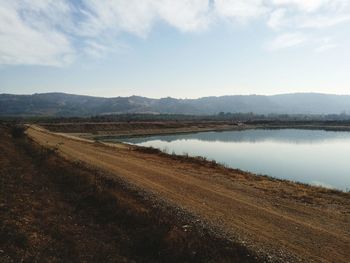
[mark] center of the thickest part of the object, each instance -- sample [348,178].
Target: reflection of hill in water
[253,136]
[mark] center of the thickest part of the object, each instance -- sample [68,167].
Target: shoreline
[100,134]
[113,138]
[196,159]
[187,158]
[118,139]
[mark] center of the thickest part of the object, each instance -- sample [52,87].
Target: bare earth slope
[283,220]
[53,210]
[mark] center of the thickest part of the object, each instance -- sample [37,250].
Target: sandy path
[274,224]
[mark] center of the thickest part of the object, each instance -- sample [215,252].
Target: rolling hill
[61,104]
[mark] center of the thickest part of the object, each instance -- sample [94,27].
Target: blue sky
[182,48]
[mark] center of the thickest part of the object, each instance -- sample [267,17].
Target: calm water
[309,156]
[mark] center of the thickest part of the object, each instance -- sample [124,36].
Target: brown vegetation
[135,128]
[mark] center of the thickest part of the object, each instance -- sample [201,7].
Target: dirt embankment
[53,210]
[137,128]
[279,221]
[121,129]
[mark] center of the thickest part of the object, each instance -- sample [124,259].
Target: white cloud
[304,5]
[189,15]
[323,21]
[131,16]
[240,9]
[23,44]
[287,40]
[325,44]
[296,39]
[309,17]
[52,32]
[138,17]
[325,47]
[277,19]
[51,12]
[315,14]
[95,49]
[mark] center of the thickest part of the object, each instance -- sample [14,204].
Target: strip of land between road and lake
[277,220]
[106,130]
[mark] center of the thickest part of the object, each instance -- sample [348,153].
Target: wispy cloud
[303,5]
[53,32]
[277,19]
[24,42]
[287,40]
[95,49]
[138,17]
[323,21]
[307,17]
[238,10]
[325,44]
[325,47]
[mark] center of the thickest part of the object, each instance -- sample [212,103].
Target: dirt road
[282,220]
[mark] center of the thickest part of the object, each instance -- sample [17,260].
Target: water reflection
[281,135]
[309,156]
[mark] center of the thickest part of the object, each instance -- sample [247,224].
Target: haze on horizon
[181,49]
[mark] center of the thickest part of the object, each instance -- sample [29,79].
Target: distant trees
[220,116]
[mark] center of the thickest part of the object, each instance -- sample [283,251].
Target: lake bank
[305,156]
[105,130]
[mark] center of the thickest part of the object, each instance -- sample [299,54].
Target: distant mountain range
[61,104]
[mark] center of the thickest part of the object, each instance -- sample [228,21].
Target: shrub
[17,131]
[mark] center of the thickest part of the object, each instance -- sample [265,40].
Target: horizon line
[178,98]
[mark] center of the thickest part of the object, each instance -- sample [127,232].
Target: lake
[310,156]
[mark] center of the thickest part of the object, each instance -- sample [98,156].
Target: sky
[177,48]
